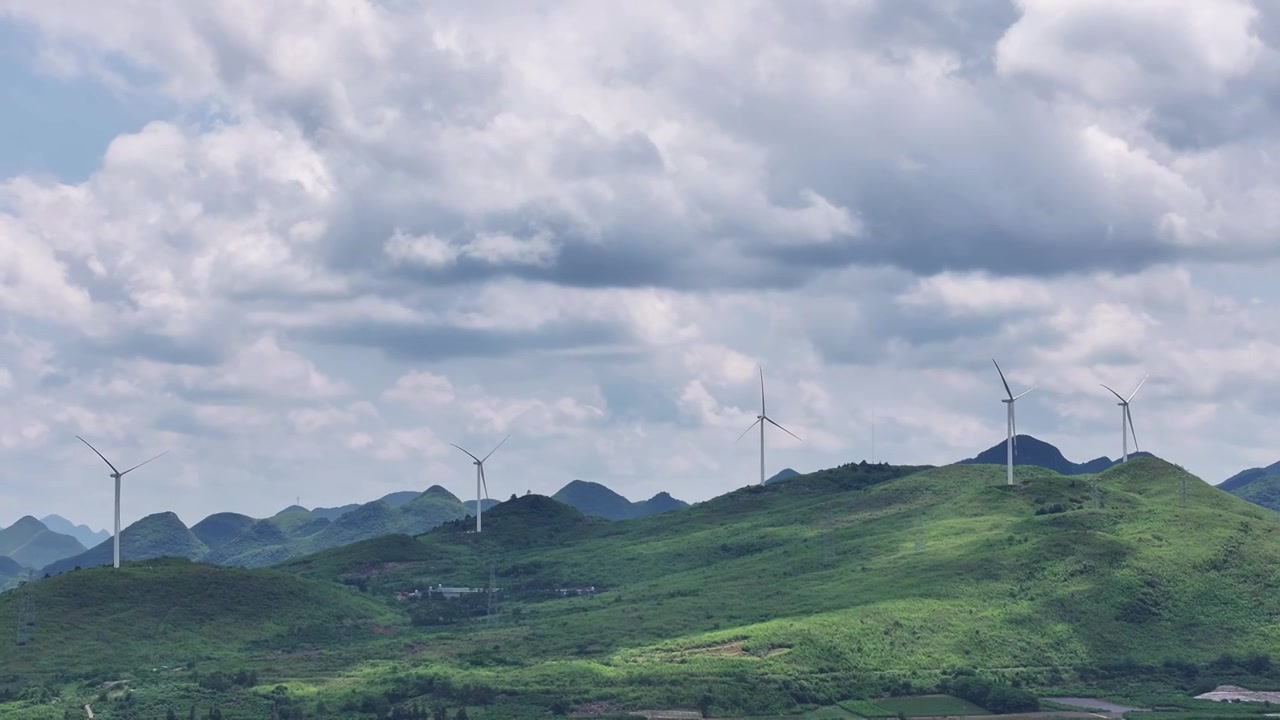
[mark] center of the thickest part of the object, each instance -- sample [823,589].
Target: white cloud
[356,232]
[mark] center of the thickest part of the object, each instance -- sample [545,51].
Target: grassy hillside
[846,574]
[852,583]
[30,543]
[168,612]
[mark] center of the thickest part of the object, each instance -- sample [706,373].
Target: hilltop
[87,536]
[597,500]
[1260,486]
[32,544]
[1029,450]
[852,582]
[239,540]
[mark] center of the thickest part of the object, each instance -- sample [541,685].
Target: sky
[303,247]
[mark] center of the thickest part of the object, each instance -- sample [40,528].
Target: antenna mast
[26,608]
[490,609]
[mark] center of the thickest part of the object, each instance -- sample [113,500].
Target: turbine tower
[480,481]
[1012,442]
[761,419]
[1126,419]
[116,475]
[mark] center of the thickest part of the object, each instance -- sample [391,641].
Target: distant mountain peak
[593,498]
[1030,450]
[28,523]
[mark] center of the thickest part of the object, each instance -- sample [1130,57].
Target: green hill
[168,612]
[32,544]
[263,543]
[856,573]
[158,535]
[850,583]
[221,528]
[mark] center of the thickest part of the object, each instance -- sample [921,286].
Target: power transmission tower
[26,609]
[490,609]
[1095,491]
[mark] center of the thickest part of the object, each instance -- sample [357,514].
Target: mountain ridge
[87,536]
[239,540]
[598,500]
[30,543]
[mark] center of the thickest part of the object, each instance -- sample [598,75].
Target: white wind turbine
[761,419]
[1012,442]
[116,475]
[480,480]
[1126,419]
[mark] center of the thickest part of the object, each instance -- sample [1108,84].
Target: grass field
[861,582]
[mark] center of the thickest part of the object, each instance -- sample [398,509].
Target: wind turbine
[1126,419]
[1012,443]
[761,419]
[480,481]
[116,475]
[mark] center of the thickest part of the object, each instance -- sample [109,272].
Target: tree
[461,714]
[170,714]
[440,713]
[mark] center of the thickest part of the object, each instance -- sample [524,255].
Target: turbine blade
[95,450]
[1024,392]
[1129,415]
[135,467]
[473,457]
[484,483]
[771,422]
[1113,392]
[495,449]
[744,432]
[762,412]
[1006,382]
[1135,390]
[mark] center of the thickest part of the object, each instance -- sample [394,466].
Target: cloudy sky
[303,246]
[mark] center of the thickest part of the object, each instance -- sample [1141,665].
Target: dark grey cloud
[439,342]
